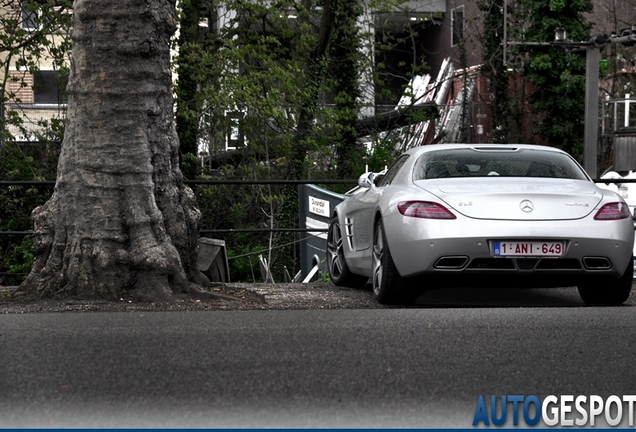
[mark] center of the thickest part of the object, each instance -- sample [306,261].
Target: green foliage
[383,155]
[557,73]
[402,40]
[323,275]
[243,261]
[290,70]
[188,105]
[553,70]
[189,165]
[47,39]
[252,66]
[494,68]
[19,258]
[234,207]
[344,85]
[17,202]
[284,77]
[25,47]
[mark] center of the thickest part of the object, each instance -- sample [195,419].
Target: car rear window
[518,162]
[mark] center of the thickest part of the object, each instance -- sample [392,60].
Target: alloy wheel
[334,251]
[378,252]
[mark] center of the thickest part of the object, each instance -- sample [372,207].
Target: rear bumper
[453,248]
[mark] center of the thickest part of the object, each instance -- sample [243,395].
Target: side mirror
[365,181]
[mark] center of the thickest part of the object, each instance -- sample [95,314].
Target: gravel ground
[233,296]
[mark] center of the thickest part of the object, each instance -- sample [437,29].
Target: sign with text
[319,206]
[315,207]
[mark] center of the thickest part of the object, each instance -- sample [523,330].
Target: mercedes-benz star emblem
[526,206]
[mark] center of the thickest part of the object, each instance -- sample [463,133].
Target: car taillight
[613,211]
[425,210]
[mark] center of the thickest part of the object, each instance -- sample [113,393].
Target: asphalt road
[417,367]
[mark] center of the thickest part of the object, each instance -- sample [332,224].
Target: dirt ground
[233,296]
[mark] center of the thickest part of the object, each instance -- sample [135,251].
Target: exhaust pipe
[451,262]
[597,263]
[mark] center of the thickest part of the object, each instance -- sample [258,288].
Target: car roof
[490,146]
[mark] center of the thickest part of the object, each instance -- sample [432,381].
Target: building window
[457,26]
[234,137]
[49,87]
[29,15]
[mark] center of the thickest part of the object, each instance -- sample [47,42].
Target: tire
[388,286]
[608,291]
[336,263]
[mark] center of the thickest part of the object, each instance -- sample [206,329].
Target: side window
[392,172]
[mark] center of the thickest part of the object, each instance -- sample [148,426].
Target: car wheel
[608,291]
[388,286]
[336,264]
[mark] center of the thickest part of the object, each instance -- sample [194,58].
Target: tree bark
[120,219]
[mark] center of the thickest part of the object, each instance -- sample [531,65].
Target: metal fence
[309,235]
[313,236]
[51,183]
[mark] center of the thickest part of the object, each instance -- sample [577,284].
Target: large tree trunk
[120,219]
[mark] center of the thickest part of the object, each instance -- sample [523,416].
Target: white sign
[319,207]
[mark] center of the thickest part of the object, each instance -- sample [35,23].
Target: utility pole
[590,149]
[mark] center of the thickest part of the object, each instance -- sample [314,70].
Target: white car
[494,215]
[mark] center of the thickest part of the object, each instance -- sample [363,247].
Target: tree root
[200,293]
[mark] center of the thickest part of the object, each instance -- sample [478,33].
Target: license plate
[528,248]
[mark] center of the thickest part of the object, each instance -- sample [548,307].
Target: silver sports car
[494,215]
